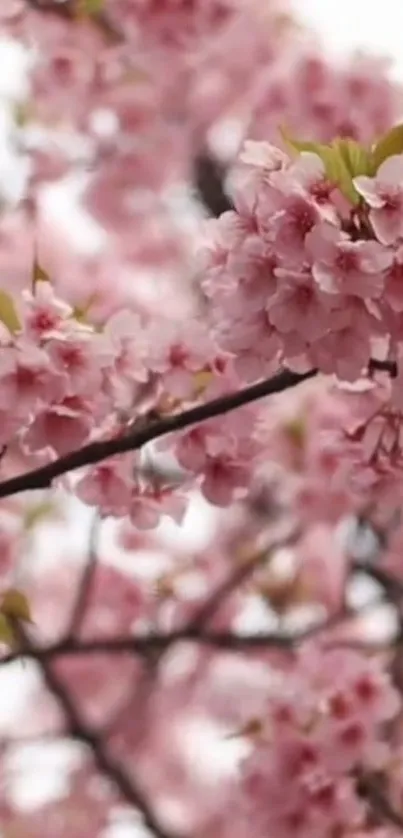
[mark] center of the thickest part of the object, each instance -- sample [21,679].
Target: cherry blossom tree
[227,352]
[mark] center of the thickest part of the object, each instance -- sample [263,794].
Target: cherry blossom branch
[95,452]
[79,729]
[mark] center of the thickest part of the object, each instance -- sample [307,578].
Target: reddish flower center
[178,355]
[347,261]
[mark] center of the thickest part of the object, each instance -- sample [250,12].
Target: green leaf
[338,173]
[7,632]
[15,606]
[390,144]
[38,274]
[80,313]
[8,314]
[336,168]
[90,7]
[299,145]
[356,157]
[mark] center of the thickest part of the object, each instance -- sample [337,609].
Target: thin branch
[85,583]
[116,774]
[157,643]
[233,582]
[150,644]
[370,790]
[95,452]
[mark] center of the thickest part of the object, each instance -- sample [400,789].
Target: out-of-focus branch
[158,643]
[370,789]
[79,729]
[234,581]
[209,183]
[152,643]
[85,582]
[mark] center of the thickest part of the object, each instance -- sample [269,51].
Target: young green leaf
[390,144]
[299,146]
[90,8]
[356,157]
[338,173]
[8,313]
[7,632]
[38,274]
[15,606]
[333,158]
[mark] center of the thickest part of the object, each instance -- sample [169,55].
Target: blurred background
[343,27]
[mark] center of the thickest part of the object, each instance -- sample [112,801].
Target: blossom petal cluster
[296,274]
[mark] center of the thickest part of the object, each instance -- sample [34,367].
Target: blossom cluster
[297,274]
[315,738]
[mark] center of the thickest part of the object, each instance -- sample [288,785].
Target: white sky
[350,24]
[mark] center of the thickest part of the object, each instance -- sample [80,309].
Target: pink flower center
[71,356]
[304,295]
[324,795]
[338,706]
[352,735]
[347,261]
[303,218]
[321,191]
[396,272]
[178,355]
[392,199]
[366,689]
[43,321]
[26,378]
[296,820]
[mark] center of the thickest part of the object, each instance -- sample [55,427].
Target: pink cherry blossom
[341,266]
[384,196]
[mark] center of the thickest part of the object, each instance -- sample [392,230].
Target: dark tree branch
[158,643]
[234,581]
[95,452]
[152,643]
[209,182]
[79,729]
[371,791]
